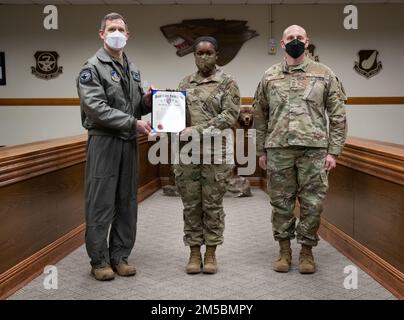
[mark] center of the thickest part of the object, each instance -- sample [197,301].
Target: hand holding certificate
[168,111]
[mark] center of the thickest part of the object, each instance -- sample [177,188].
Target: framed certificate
[2,69]
[168,110]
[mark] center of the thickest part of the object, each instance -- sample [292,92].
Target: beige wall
[21,34]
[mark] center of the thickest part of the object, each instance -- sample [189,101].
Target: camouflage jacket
[292,104]
[212,102]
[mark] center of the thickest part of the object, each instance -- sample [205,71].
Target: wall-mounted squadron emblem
[46,65]
[368,66]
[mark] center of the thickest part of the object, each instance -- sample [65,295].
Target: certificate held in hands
[168,110]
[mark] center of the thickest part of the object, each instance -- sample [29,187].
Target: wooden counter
[42,204]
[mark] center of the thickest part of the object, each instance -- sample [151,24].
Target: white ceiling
[170,2]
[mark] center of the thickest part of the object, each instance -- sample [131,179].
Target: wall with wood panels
[41,212]
[42,204]
[364,210]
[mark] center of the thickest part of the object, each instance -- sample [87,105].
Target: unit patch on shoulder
[85,76]
[136,75]
[236,99]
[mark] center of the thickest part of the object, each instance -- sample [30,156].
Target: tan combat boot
[125,269]
[195,261]
[285,257]
[209,261]
[306,260]
[103,274]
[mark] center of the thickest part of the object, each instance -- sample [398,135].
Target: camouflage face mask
[205,63]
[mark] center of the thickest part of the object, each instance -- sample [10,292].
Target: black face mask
[295,48]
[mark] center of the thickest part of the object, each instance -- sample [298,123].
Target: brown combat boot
[209,261]
[285,257]
[103,274]
[125,269]
[195,261]
[306,260]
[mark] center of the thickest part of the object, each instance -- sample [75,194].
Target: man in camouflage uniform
[213,103]
[295,145]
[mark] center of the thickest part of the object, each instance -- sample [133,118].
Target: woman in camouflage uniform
[213,104]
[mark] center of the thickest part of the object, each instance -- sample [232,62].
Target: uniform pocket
[178,171]
[220,176]
[324,178]
[192,99]
[111,93]
[223,173]
[276,96]
[315,91]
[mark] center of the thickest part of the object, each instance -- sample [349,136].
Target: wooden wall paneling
[28,269]
[379,217]
[42,205]
[38,211]
[42,190]
[383,272]
[147,171]
[339,202]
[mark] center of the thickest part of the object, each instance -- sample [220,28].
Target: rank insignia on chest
[115,76]
[136,76]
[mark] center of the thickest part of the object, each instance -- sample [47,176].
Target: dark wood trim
[143,139]
[385,161]
[247,100]
[263,185]
[148,189]
[383,272]
[353,100]
[28,269]
[255,181]
[164,181]
[26,161]
[391,150]
[244,101]
[40,102]
[375,100]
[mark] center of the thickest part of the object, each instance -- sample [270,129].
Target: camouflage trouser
[202,188]
[296,172]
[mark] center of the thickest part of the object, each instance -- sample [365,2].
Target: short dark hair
[112,16]
[212,40]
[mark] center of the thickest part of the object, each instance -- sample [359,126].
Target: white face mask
[116,40]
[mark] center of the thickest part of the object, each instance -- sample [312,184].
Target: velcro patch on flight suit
[115,76]
[85,76]
[136,76]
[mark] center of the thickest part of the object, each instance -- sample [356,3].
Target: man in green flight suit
[112,102]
